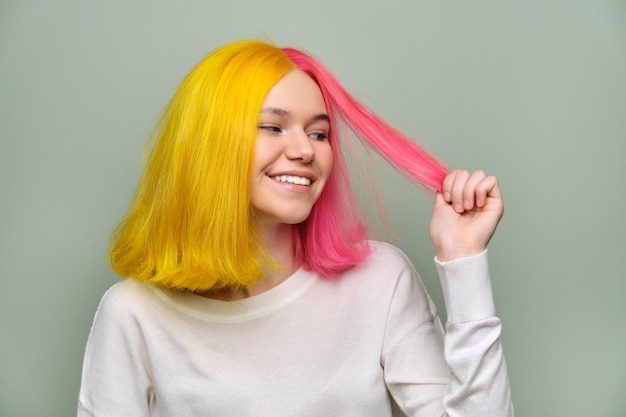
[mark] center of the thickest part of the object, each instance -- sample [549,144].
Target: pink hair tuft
[332,239]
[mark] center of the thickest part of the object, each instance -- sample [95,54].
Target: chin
[297,219]
[292,217]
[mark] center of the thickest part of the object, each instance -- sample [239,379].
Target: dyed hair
[329,214]
[190,225]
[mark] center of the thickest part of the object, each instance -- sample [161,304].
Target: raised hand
[465,215]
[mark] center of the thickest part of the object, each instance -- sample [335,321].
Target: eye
[270,128]
[320,136]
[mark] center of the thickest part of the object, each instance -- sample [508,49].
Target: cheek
[266,151]
[325,159]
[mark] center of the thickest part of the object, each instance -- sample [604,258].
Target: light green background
[533,91]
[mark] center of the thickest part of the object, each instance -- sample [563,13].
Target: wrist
[457,252]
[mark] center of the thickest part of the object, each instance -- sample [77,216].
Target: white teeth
[293,180]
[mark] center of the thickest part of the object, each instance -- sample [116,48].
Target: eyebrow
[284,113]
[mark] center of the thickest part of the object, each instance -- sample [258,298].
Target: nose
[299,147]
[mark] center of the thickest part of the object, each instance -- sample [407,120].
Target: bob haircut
[190,226]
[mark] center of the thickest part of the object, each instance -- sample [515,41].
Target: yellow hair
[189,225]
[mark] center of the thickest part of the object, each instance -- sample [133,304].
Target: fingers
[465,191]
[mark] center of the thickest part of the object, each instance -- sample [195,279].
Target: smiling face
[293,156]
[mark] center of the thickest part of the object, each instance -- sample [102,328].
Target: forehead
[296,92]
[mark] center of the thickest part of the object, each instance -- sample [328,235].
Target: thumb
[439,200]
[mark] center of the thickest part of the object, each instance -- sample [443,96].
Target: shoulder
[390,268]
[387,258]
[118,319]
[126,298]
[386,268]
[127,290]
[387,251]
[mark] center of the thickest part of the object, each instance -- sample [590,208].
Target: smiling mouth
[291,179]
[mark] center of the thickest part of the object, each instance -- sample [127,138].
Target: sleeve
[459,372]
[115,378]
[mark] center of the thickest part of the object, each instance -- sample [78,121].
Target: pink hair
[332,239]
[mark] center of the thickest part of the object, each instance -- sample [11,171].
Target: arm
[465,217]
[115,379]
[456,372]
[460,372]
[479,384]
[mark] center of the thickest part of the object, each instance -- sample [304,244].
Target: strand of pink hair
[400,151]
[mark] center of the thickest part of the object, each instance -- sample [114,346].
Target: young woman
[254,291]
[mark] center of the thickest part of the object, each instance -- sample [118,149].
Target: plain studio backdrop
[532,91]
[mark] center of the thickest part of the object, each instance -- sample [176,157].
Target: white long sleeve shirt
[365,344]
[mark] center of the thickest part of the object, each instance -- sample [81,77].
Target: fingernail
[446,196]
[467,204]
[458,208]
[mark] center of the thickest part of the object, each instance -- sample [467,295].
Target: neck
[278,240]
